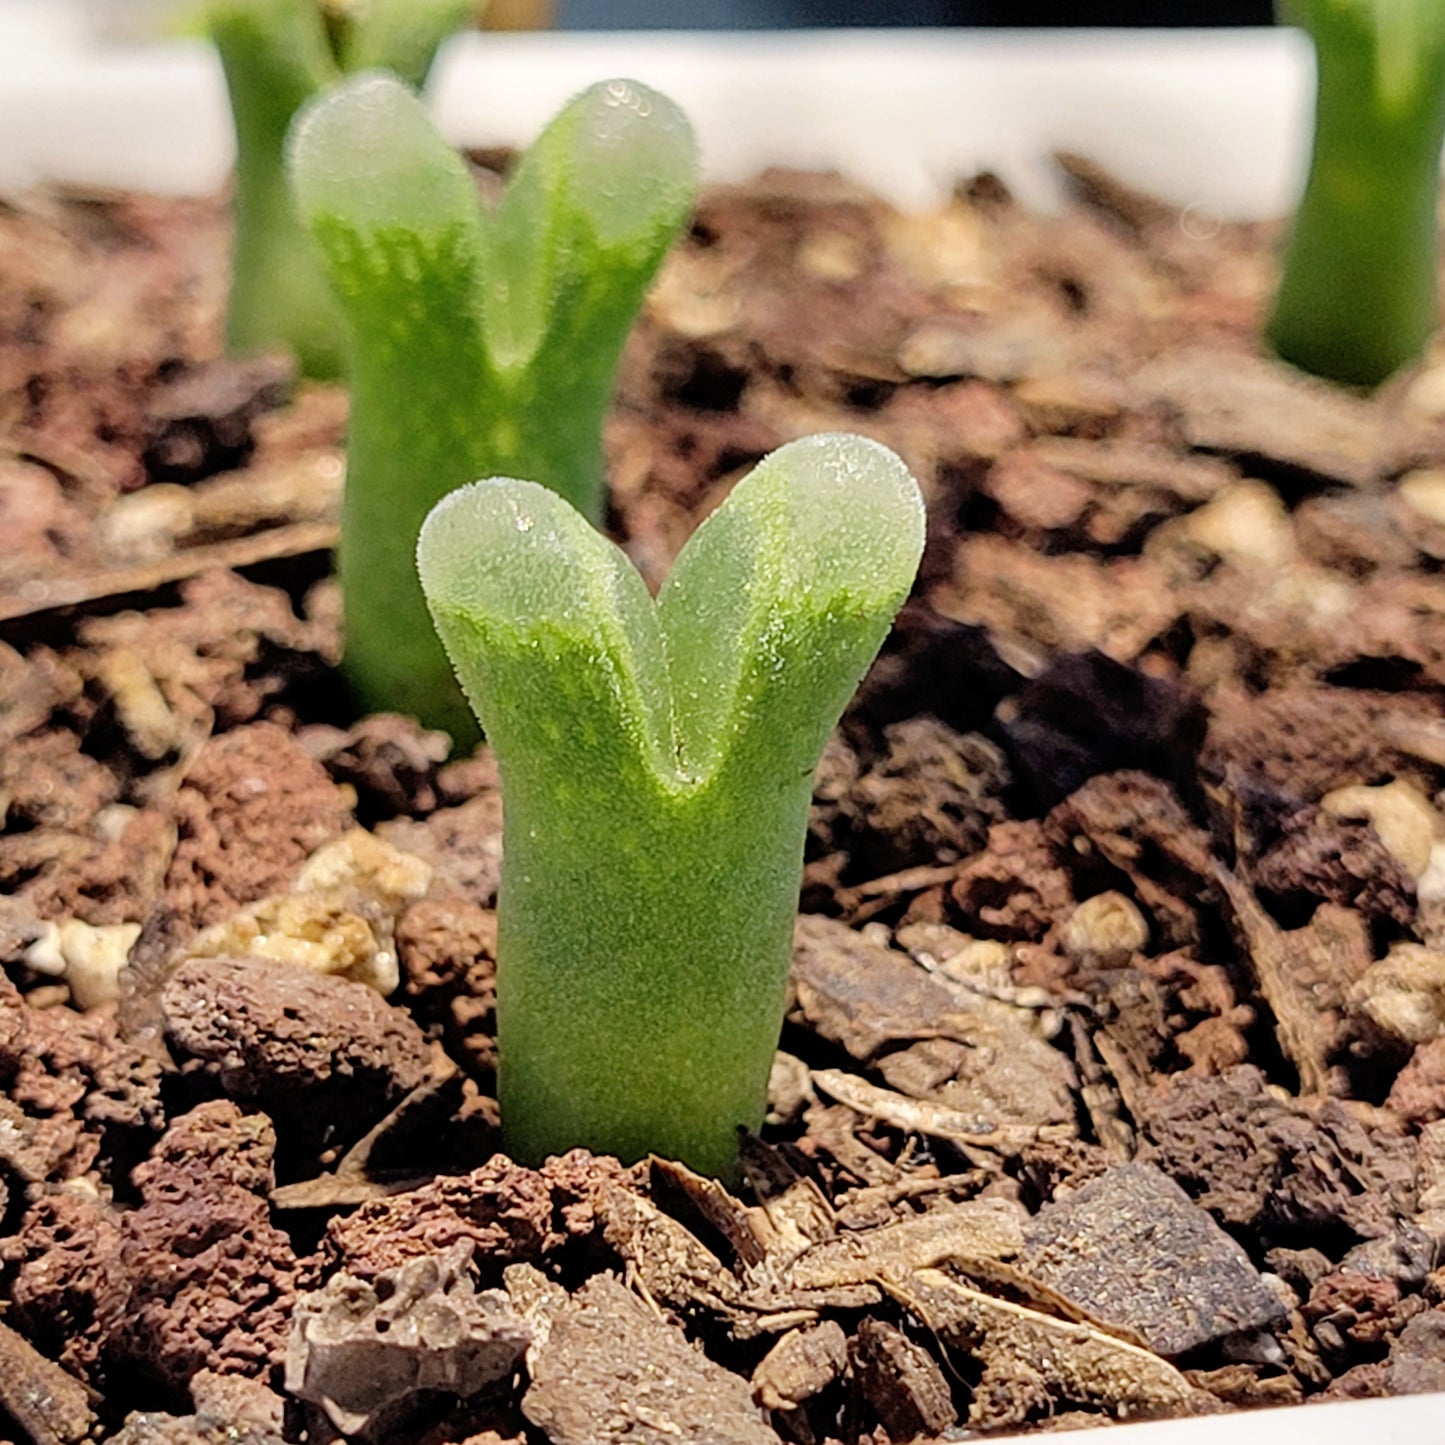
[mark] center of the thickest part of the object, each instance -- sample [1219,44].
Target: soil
[1113,1074]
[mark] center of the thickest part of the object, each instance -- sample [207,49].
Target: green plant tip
[368,151]
[656,761]
[621,128]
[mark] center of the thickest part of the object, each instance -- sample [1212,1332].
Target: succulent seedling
[1356,299]
[276,55]
[483,341]
[656,761]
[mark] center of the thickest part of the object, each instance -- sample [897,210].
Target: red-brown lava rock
[509,1214]
[195,1278]
[310,1048]
[1258,1161]
[252,807]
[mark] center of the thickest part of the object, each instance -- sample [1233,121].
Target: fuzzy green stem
[657,761]
[276,55]
[400,35]
[1357,296]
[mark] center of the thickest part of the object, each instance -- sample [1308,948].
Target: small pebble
[1403,817]
[1105,930]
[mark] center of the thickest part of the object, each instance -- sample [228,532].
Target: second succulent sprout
[1357,296]
[483,342]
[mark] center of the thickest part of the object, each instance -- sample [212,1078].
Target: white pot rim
[1212,120]
[1403,1420]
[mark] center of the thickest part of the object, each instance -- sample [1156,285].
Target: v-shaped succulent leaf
[484,342]
[656,762]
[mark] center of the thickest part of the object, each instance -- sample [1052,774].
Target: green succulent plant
[482,341]
[656,761]
[276,55]
[1357,295]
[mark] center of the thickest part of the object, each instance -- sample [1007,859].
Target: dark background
[788,14]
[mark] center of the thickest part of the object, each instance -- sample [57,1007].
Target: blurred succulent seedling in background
[277,55]
[1357,296]
[481,341]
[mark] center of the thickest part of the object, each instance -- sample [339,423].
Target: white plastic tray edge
[1213,120]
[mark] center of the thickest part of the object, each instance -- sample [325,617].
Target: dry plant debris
[363,1349]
